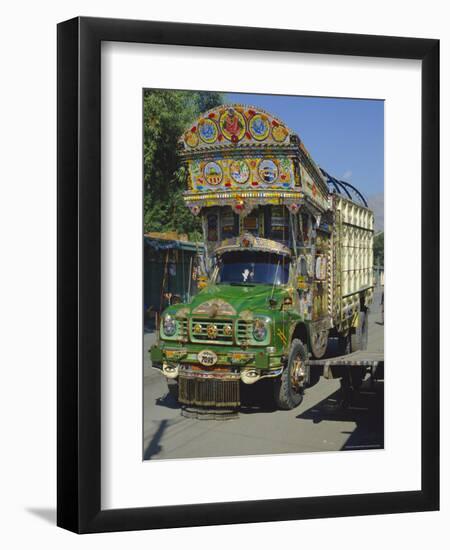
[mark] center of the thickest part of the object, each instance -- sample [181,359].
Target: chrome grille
[244,330]
[184,329]
[208,393]
[204,324]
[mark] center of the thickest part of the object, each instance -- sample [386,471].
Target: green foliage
[378,249]
[167,114]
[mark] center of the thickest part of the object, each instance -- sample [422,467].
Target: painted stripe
[282,336]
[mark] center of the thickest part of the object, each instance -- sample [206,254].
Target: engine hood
[228,300]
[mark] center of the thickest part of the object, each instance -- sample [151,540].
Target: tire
[359,342]
[360,337]
[379,372]
[365,330]
[319,344]
[357,376]
[286,396]
[344,345]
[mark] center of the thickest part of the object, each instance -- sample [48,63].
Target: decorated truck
[287,264]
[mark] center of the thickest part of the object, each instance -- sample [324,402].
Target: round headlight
[169,325]
[259,330]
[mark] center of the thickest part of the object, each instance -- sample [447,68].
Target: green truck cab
[287,264]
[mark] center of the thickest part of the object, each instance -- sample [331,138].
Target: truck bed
[357,358]
[340,366]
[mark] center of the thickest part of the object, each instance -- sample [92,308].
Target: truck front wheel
[288,388]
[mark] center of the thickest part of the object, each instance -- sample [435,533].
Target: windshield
[248,268]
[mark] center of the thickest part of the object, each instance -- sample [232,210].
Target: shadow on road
[366,411]
[253,400]
[154,447]
[257,398]
[169,401]
[259,408]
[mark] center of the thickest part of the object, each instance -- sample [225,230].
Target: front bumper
[248,365]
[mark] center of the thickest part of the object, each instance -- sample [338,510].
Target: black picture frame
[79,280]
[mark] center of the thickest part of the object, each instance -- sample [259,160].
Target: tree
[378,249]
[167,114]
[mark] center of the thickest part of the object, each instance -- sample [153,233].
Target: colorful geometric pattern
[234,124]
[237,148]
[277,173]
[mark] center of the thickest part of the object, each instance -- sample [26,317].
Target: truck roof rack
[344,189]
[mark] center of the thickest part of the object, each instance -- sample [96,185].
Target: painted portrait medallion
[191,139]
[232,124]
[268,171]
[259,127]
[239,171]
[279,133]
[213,173]
[208,130]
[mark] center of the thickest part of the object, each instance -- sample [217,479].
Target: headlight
[169,325]
[259,330]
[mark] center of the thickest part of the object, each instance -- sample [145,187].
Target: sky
[344,136]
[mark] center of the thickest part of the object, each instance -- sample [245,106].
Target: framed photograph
[226,293]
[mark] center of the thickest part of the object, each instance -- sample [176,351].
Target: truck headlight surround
[260,330]
[169,325]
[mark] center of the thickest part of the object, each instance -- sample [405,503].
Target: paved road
[318,424]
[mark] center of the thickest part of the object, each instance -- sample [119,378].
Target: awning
[163,244]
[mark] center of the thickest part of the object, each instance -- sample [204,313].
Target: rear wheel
[319,343]
[357,375]
[344,344]
[288,388]
[355,342]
